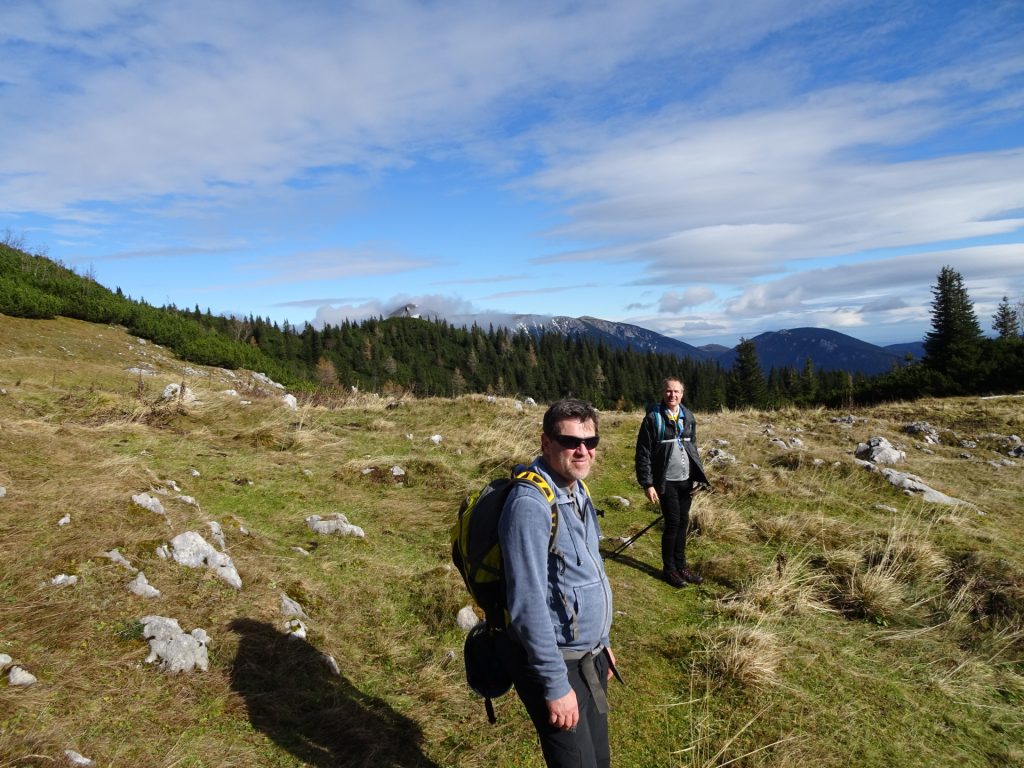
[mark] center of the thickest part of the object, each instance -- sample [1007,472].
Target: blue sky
[708,170]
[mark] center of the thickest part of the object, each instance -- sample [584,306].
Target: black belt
[590,676]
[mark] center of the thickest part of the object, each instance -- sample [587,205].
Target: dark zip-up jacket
[652,454]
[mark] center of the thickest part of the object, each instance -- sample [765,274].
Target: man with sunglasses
[668,468]
[559,599]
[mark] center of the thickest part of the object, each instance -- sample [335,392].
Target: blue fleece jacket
[557,601]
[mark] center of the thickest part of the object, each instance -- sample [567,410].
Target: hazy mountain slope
[829,350]
[622,335]
[913,348]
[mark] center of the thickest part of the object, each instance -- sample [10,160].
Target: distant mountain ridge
[913,348]
[788,348]
[621,335]
[829,350]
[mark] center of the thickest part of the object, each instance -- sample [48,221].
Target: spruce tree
[953,346]
[749,390]
[1006,321]
[808,383]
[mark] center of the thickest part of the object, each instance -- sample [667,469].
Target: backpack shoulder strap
[522,474]
[659,421]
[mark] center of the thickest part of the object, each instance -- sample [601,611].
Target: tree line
[435,358]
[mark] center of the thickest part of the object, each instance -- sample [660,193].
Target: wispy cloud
[165,252]
[674,301]
[539,291]
[727,200]
[318,302]
[338,264]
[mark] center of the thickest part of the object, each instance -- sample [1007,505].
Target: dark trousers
[587,745]
[675,505]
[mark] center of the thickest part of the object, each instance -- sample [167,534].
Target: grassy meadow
[841,622]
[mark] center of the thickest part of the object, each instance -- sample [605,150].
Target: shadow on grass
[322,719]
[632,562]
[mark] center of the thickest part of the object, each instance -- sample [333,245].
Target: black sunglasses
[569,441]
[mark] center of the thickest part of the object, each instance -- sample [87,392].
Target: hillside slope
[841,622]
[829,351]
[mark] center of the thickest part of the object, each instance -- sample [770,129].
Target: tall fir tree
[749,389]
[953,346]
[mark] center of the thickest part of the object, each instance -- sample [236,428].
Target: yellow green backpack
[475,548]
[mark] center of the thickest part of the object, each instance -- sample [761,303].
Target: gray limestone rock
[880,451]
[290,607]
[924,430]
[21,678]
[467,618]
[76,758]
[140,586]
[151,503]
[913,485]
[335,524]
[192,550]
[171,648]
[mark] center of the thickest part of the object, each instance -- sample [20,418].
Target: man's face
[569,463]
[673,394]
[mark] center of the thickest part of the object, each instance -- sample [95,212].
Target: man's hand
[652,494]
[611,657]
[564,713]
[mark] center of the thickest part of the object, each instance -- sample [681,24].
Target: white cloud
[317,268]
[338,264]
[884,304]
[427,305]
[674,301]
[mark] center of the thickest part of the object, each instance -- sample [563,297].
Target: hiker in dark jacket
[668,468]
[558,596]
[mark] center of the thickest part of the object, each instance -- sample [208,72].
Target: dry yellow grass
[909,550]
[790,586]
[747,655]
[717,521]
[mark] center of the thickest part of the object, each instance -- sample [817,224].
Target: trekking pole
[633,538]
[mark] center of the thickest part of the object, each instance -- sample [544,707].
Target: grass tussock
[514,435]
[876,594]
[789,587]
[749,656]
[718,522]
[909,551]
[804,530]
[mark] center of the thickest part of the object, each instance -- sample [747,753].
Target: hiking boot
[673,578]
[690,577]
